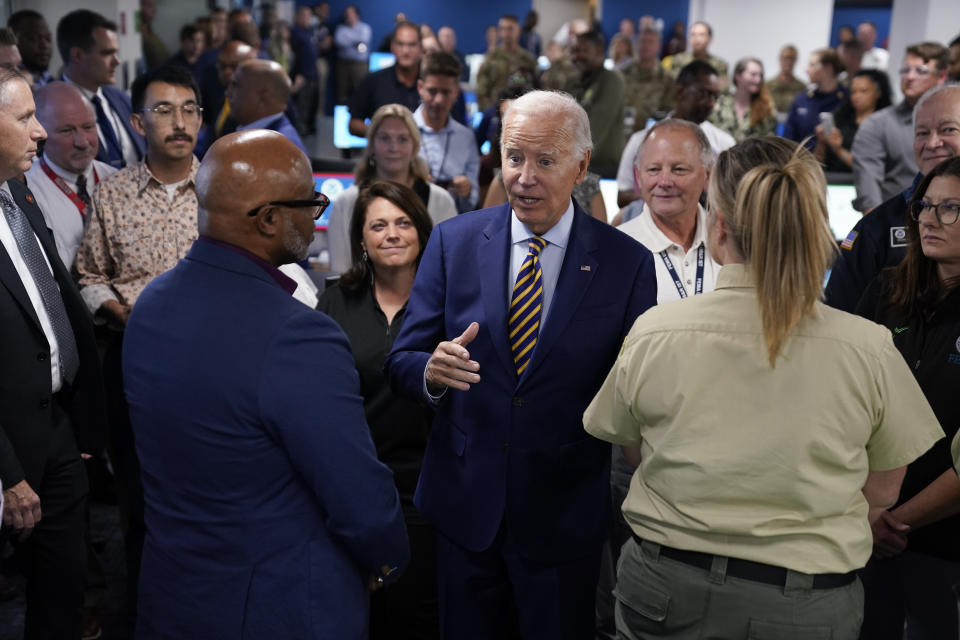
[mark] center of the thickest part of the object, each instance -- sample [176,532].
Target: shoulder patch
[898,236]
[849,240]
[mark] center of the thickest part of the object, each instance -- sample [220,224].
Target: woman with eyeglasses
[916,548]
[388,233]
[768,428]
[392,153]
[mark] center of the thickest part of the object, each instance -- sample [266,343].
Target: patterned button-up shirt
[136,232]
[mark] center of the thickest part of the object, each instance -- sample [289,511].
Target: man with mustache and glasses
[144,220]
[64,177]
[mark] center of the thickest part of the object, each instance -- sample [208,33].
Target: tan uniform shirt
[745,461]
[784,92]
[649,92]
[135,233]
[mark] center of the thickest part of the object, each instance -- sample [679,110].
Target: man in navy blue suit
[258,93]
[268,514]
[516,315]
[88,46]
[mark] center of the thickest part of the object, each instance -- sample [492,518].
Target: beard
[295,245]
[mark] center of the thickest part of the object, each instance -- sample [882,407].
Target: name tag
[898,237]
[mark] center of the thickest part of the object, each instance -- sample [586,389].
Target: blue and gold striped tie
[526,306]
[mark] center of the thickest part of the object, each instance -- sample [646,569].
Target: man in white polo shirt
[64,177]
[671,169]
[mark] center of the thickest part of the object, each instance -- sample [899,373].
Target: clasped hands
[450,364]
[889,534]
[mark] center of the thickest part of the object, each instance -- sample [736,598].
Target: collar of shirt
[86,92]
[735,276]
[557,235]
[69,176]
[905,112]
[659,240]
[287,283]
[6,187]
[423,126]
[262,122]
[144,176]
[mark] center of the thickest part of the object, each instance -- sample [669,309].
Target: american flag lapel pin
[584,267]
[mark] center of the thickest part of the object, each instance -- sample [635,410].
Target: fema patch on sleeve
[849,240]
[898,236]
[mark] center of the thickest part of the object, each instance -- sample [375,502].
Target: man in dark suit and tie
[51,398]
[516,316]
[88,46]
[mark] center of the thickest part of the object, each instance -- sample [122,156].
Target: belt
[750,570]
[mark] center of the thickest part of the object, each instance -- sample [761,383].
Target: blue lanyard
[698,286]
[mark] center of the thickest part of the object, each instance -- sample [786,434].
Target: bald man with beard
[268,513]
[258,93]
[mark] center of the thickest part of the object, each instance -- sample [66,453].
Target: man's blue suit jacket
[516,449]
[120,102]
[267,510]
[283,126]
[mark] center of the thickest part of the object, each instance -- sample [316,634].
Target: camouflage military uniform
[561,76]
[725,117]
[678,61]
[784,92]
[495,73]
[649,92]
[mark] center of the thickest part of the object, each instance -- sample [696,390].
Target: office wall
[468,19]
[853,16]
[760,27]
[668,10]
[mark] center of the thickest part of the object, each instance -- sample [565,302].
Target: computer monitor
[331,185]
[381,60]
[843,216]
[342,138]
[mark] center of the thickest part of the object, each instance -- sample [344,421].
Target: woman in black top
[917,544]
[869,92]
[388,233]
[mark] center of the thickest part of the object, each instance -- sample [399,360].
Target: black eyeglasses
[320,201]
[946,212]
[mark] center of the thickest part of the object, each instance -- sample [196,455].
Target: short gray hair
[538,103]
[947,86]
[706,150]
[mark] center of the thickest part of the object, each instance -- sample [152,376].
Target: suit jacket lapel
[8,273]
[572,284]
[493,257]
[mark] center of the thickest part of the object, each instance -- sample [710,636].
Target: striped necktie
[114,150]
[526,306]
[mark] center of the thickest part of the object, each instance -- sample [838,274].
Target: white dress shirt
[29,284]
[127,147]
[551,257]
[644,230]
[60,213]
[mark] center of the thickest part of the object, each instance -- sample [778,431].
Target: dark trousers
[349,75]
[407,609]
[126,465]
[914,588]
[499,593]
[621,473]
[306,101]
[54,558]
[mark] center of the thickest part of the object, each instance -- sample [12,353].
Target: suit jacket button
[45,403]
[505,447]
[42,357]
[517,401]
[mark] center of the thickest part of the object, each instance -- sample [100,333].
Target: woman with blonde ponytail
[769,429]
